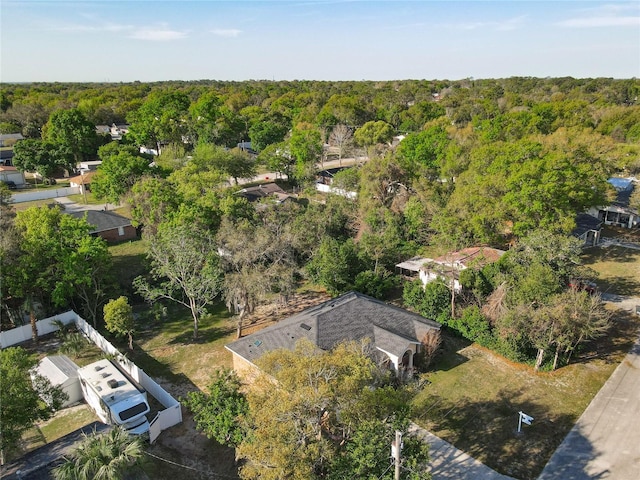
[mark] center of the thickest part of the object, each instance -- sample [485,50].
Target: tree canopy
[23,400]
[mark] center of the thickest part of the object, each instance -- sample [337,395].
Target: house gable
[350,317]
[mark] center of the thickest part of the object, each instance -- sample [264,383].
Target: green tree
[220,412]
[268,130]
[231,163]
[88,275]
[117,174]
[422,154]
[23,401]
[374,133]
[152,201]
[162,118]
[185,263]
[278,158]
[324,416]
[40,156]
[259,259]
[71,130]
[119,320]
[335,265]
[205,113]
[105,456]
[431,300]
[305,146]
[50,261]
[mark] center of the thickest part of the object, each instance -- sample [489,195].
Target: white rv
[114,397]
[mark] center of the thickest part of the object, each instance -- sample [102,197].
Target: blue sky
[121,40]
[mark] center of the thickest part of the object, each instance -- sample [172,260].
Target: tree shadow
[615,344]
[449,356]
[488,431]
[619,286]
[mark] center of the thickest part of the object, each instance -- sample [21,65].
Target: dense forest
[450,164]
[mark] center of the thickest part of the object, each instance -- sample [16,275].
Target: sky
[150,40]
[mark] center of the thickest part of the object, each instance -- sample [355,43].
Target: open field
[474,396]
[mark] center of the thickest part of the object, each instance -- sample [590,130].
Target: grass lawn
[474,398]
[165,347]
[618,269]
[128,261]
[63,422]
[474,395]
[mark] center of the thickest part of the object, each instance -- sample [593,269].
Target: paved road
[323,166]
[449,463]
[35,465]
[605,442]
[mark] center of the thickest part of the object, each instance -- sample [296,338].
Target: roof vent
[113,383]
[305,326]
[97,368]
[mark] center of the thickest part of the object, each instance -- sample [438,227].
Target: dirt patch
[266,315]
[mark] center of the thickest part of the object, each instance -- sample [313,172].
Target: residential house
[89,166]
[411,268]
[9,139]
[117,131]
[82,181]
[619,213]
[264,190]
[587,229]
[394,334]
[12,174]
[449,266]
[6,157]
[108,225]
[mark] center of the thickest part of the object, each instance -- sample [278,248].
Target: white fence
[321,187]
[23,333]
[172,415]
[44,194]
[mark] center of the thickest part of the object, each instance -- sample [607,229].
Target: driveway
[449,463]
[605,442]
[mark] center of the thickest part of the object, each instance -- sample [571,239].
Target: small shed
[62,372]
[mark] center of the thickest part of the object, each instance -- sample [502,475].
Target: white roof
[58,369]
[414,264]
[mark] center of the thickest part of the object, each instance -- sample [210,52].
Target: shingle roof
[261,191]
[350,317]
[585,223]
[102,220]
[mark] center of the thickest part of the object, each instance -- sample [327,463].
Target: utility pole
[396,453]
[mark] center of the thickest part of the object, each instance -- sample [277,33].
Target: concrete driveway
[605,442]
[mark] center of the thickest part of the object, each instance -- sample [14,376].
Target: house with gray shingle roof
[108,225]
[395,334]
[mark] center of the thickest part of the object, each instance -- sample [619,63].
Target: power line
[385,472]
[219,475]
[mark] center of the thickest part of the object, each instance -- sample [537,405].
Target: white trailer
[114,397]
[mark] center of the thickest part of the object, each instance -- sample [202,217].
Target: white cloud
[610,21]
[226,32]
[160,34]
